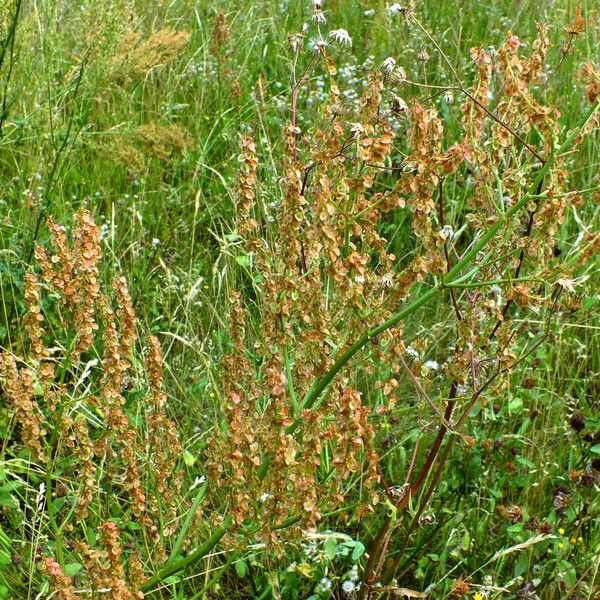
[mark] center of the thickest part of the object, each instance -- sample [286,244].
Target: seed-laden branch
[173,566]
[461,88]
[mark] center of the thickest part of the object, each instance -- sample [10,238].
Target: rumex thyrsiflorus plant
[364,389]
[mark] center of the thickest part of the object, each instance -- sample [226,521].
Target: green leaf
[595,449]
[6,500]
[72,569]
[188,458]
[515,405]
[240,568]
[10,486]
[242,260]
[359,550]
[521,566]
[330,547]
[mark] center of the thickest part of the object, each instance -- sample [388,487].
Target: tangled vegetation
[299,300]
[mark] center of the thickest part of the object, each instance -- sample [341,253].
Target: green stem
[290,380]
[170,568]
[489,282]
[187,522]
[316,390]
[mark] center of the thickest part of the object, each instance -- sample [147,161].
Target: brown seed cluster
[109,452]
[59,582]
[19,388]
[327,276]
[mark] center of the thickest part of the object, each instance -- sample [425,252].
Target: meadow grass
[133,110]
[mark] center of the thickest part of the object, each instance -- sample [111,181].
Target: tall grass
[363,287]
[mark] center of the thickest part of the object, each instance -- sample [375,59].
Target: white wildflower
[341,36]
[369,13]
[387,279]
[348,587]
[388,65]
[412,352]
[423,55]
[198,481]
[317,45]
[432,364]
[40,497]
[357,129]
[395,8]
[447,232]
[325,584]
[497,295]
[319,16]
[448,97]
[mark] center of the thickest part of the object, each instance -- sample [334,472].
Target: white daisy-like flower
[388,65]
[319,16]
[325,584]
[348,587]
[341,36]
[317,45]
[447,232]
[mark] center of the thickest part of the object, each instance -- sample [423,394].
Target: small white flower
[325,584]
[317,45]
[396,8]
[357,129]
[40,497]
[198,481]
[319,16]
[341,36]
[448,97]
[386,280]
[264,497]
[412,352]
[447,232]
[388,65]
[432,364]
[369,13]
[348,587]
[497,294]
[155,242]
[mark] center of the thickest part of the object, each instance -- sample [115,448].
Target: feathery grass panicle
[135,57]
